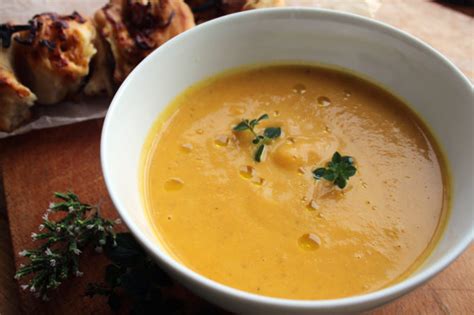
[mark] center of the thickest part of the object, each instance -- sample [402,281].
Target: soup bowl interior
[429,83]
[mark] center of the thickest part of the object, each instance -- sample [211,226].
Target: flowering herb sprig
[260,141]
[62,241]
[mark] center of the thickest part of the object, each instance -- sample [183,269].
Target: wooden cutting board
[37,164]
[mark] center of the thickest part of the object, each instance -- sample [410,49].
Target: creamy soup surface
[271,228]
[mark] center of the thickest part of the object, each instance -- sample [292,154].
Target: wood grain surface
[36,164]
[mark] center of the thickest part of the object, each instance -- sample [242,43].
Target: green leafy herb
[338,170]
[63,240]
[260,141]
[134,274]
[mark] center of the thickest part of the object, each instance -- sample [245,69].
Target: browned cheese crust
[53,57]
[134,28]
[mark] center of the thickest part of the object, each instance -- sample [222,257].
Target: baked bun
[205,10]
[101,67]
[15,98]
[53,57]
[134,28]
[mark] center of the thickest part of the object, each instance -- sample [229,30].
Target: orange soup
[268,206]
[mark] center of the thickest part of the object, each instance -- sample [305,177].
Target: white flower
[77,229]
[23,253]
[89,226]
[24,286]
[51,205]
[41,227]
[79,273]
[52,262]
[58,229]
[118,221]
[100,228]
[45,216]
[48,251]
[32,289]
[22,265]
[77,251]
[102,241]
[17,276]
[71,209]
[34,235]
[98,249]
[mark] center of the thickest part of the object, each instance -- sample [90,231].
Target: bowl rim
[164,258]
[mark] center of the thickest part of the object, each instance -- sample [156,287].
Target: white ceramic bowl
[435,88]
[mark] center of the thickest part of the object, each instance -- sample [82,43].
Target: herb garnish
[338,170]
[133,276]
[260,141]
[56,258]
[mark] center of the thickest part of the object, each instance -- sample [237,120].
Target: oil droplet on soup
[174,184]
[324,101]
[309,241]
[295,235]
[186,147]
[247,172]
[221,141]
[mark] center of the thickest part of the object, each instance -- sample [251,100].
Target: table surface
[449,29]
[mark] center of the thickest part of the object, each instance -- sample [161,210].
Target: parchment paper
[20,11]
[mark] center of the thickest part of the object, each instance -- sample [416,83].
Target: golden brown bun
[15,98]
[53,57]
[101,68]
[259,4]
[205,10]
[134,28]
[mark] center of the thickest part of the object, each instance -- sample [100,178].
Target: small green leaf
[340,182]
[253,123]
[350,171]
[347,159]
[329,175]
[338,170]
[336,158]
[264,116]
[259,153]
[241,126]
[319,172]
[272,132]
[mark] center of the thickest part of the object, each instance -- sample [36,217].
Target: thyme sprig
[62,241]
[260,141]
[133,276]
[337,171]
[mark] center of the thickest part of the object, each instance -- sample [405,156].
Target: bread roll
[53,57]
[15,98]
[134,28]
